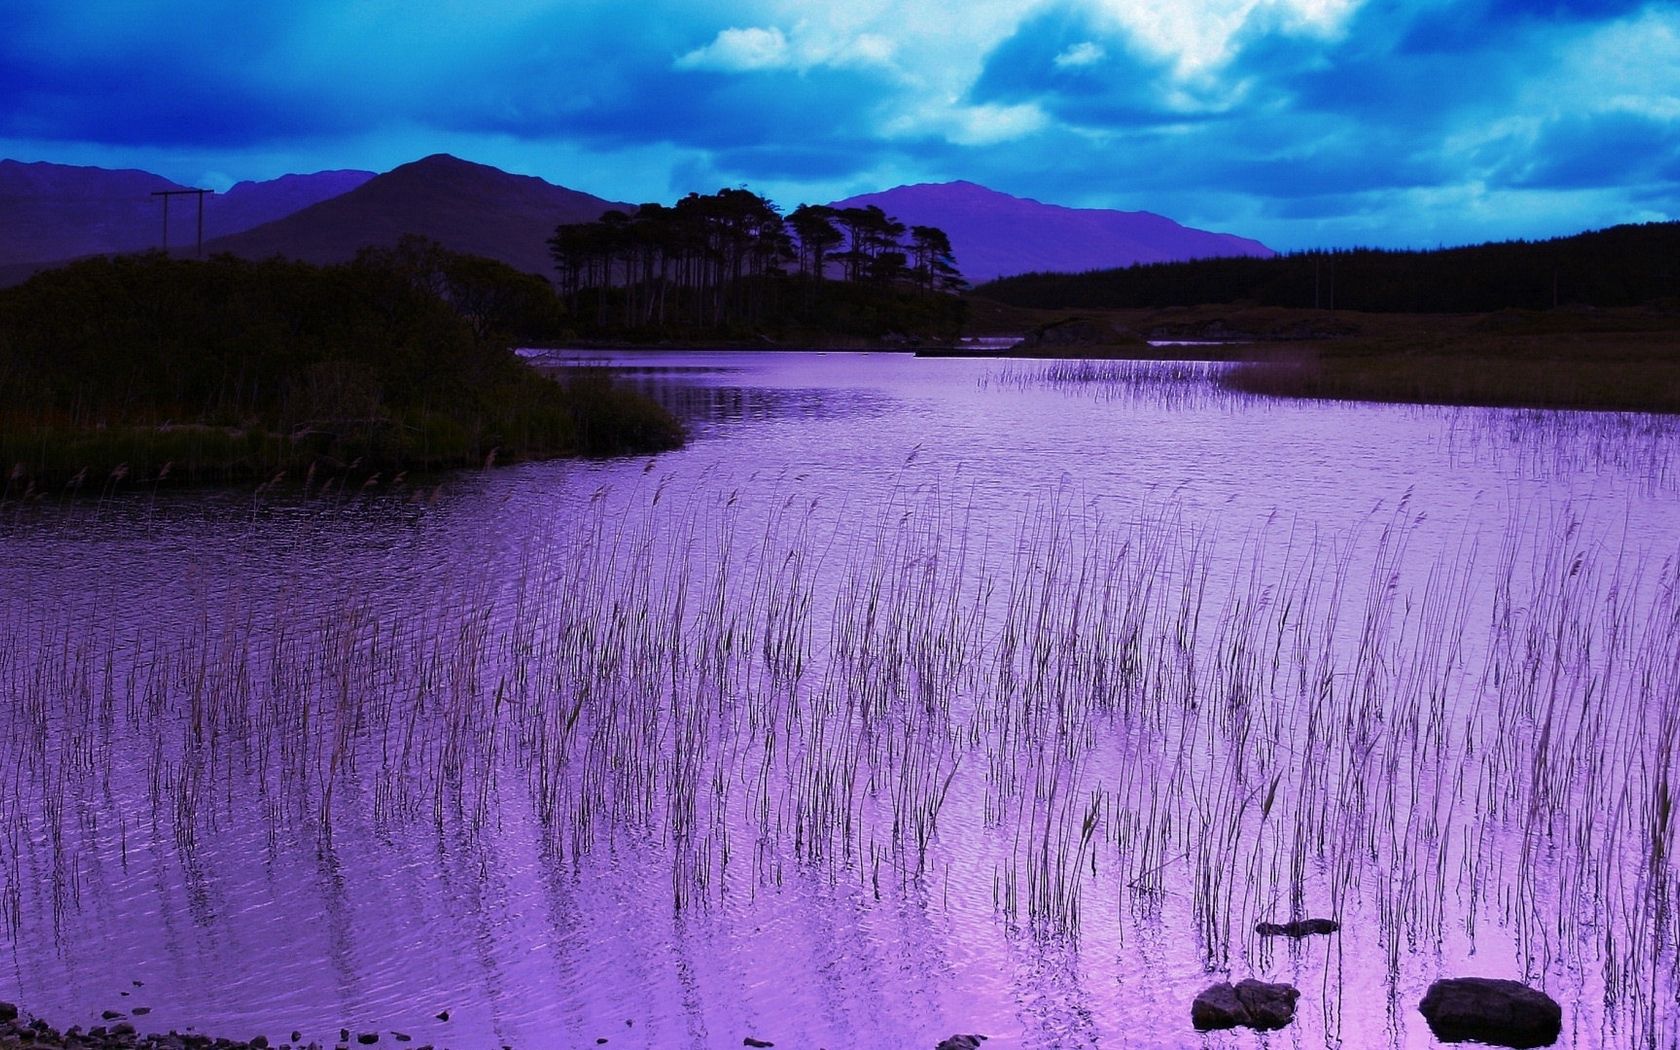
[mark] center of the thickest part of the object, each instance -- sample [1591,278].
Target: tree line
[1619,266]
[730,259]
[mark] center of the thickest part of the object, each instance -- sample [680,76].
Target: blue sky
[1301,122]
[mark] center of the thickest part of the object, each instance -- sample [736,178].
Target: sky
[1303,123]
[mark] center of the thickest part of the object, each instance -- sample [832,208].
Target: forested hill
[1619,266]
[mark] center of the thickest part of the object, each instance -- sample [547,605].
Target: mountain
[54,212]
[250,204]
[994,234]
[467,207]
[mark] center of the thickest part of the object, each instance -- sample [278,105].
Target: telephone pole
[166,194]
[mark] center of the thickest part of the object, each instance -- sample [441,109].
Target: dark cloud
[1399,103]
[1478,25]
[1081,72]
[143,76]
[1605,150]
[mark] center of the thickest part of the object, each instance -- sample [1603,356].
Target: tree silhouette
[713,261]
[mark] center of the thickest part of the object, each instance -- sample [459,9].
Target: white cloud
[1200,35]
[983,125]
[867,49]
[805,46]
[1631,65]
[1080,55]
[740,50]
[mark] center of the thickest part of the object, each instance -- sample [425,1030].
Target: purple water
[797,733]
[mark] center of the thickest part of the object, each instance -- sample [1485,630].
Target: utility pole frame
[166,194]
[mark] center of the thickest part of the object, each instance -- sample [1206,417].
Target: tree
[935,265]
[813,227]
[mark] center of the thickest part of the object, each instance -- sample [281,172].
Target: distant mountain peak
[56,212]
[466,206]
[996,234]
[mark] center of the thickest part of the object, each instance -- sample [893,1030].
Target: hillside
[466,207]
[56,212]
[994,234]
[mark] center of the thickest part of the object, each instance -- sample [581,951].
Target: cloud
[1197,36]
[1277,118]
[745,50]
[1594,151]
[1084,53]
[737,50]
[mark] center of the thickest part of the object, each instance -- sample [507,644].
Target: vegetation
[728,264]
[1620,266]
[1078,717]
[148,366]
[1367,373]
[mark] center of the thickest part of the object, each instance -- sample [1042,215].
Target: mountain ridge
[996,234]
[57,212]
[466,206]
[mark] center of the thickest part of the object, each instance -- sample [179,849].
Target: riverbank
[1568,358]
[586,416]
[1619,362]
[118,1032]
[19,1030]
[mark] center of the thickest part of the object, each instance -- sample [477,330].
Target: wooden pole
[166,194]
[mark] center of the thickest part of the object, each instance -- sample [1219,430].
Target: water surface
[913,697]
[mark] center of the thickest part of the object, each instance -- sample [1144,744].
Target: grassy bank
[1619,362]
[150,368]
[1571,358]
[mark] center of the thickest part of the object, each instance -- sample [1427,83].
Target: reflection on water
[909,699]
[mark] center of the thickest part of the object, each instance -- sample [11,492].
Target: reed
[1080,713]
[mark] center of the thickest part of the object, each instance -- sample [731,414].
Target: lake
[913,697]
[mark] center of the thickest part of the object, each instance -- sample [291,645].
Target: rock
[260,1042]
[8,1011]
[1298,928]
[368,1038]
[750,1041]
[401,1037]
[141,1011]
[344,1035]
[961,1042]
[110,1015]
[1218,1007]
[1269,1005]
[297,1037]
[1488,1010]
[443,1015]
[1249,1004]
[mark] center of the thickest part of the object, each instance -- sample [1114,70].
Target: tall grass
[1092,712]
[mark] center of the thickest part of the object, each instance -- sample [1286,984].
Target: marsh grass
[1536,442]
[1086,712]
[1598,371]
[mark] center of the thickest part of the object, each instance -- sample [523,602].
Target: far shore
[1568,358]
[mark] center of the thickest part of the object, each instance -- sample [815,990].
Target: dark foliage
[227,368]
[728,264]
[1620,266]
